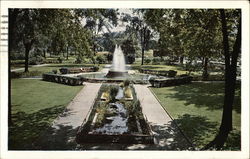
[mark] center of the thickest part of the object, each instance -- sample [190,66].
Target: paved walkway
[167,135]
[62,134]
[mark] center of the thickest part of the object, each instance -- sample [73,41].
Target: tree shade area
[204,44]
[35,108]
[197,110]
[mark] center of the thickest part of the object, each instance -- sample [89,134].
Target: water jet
[118,68]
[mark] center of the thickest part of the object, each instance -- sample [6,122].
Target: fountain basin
[114,74]
[102,77]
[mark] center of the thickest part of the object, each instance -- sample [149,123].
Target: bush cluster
[101,59]
[37,60]
[113,92]
[25,74]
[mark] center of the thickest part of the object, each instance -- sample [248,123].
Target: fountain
[118,64]
[117,72]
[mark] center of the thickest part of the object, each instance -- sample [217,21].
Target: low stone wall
[171,81]
[169,73]
[66,70]
[73,81]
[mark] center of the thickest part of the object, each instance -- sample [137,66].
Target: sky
[121,25]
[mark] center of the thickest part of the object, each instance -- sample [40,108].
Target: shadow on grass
[27,128]
[60,137]
[233,141]
[200,130]
[196,128]
[209,95]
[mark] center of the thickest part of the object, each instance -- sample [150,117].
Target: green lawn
[197,109]
[35,104]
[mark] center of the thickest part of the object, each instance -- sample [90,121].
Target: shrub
[113,92]
[101,59]
[172,73]
[136,107]
[147,61]
[95,68]
[167,62]
[51,61]
[16,62]
[60,59]
[25,74]
[102,110]
[156,61]
[151,80]
[36,60]
[54,71]
[86,60]
[78,60]
[126,83]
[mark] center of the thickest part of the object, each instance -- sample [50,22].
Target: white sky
[121,25]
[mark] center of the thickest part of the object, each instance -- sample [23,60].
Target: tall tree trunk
[44,53]
[181,59]
[67,50]
[27,45]
[230,80]
[27,51]
[142,59]
[12,24]
[205,70]
[142,44]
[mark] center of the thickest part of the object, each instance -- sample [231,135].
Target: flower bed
[184,79]
[73,81]
[113,119]
[65,70]
[169,73]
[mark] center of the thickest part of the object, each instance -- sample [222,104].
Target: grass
[35,104]
[197,109]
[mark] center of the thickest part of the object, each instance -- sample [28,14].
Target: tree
[32,29]
[129,50]
[139,28]
[97,20]
[186,32]
[230,79]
